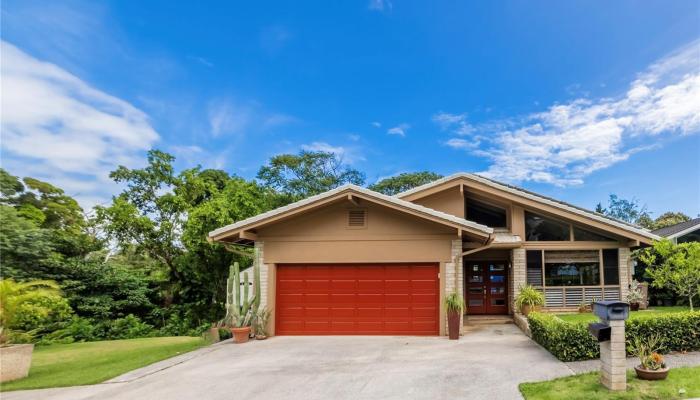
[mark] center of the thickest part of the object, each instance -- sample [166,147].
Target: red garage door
[357,299]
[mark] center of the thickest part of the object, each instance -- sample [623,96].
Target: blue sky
[575,100]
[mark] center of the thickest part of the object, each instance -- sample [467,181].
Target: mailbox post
[610,333]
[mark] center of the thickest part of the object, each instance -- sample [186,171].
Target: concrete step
[487,319]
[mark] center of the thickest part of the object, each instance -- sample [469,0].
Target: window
[585,235]
[693,236]
[534,267]
[572,268]
[486,214]
[539,228]
[611,271]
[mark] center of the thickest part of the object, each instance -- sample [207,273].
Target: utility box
[611,310]
[600,331]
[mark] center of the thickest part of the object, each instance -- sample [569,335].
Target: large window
[611,270]
[539,228]
[572,268]
[486,214]
[588,236]
[693,236]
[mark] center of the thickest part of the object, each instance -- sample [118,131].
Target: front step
[487,319]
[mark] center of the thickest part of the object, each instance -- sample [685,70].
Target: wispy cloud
[399,130]
[568,142]
[229,117]
[57,127]
[459,143]
[456,123]
[376,124]
[380,5]
[348,155]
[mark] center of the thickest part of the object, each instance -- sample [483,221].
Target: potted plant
[241,328]
[240,308]
[260,323]
[651,364]
[213,332]
[584,307]
[17,358]
[528,299]
[635,295]
[454,305]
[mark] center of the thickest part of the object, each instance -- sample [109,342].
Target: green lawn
[93,362]
[651,312]
[586,386]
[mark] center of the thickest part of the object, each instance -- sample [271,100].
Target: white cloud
[228,117]
[59,128]
[347,155]
[459,143]
[377,124]
[568,142]
[399,130]
[380,5]
[456,123]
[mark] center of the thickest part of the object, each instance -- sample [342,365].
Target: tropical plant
[15,295]
[454,303]
[635,292]
[529,296]
[262,317]
[674,266]
[647,350]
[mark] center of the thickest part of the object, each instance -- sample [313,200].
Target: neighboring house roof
[536,197]
[677,230]
[360,192]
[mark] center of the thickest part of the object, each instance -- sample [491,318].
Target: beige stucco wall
[450,201]
[322,236]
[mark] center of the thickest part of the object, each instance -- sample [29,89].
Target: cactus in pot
[240,308]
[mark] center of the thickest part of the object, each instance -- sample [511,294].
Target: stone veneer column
[454,277]
[612,358]
[264,272]
[625,268]
[518,274]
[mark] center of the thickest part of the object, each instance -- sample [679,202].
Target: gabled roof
[359,192]
[678,229]
[563,206]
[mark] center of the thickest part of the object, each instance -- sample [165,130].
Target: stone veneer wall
[264,272]
[454,277]
[518,275]
[625,266]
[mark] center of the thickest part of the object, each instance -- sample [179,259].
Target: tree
[674,266]
[15,295]
[306,174]
[629,211]
[670,218]
[402,182]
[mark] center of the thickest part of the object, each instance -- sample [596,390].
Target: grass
[93,362]
[586,386]
[649,313]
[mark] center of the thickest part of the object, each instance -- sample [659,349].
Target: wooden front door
[486,287]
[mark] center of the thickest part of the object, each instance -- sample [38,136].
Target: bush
[572,342]
[566,341]
[129,327]
[42,315]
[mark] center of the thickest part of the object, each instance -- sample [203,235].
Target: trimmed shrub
[566,341]
[571,341]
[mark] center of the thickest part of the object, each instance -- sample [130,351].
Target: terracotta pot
[634,306]
[651,375]
[526,309]
[16,360]
[213,334]
[453,324]
[240,335]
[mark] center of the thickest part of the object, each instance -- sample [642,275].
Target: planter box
[15,361]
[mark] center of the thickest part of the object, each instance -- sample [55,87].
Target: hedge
[571,341]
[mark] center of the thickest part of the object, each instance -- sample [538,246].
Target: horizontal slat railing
[573,296]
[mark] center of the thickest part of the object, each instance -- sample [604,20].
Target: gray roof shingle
[673,229]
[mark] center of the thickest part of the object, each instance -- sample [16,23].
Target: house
[688,231]
[354,261]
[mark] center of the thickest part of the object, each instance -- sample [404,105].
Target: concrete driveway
[485,364]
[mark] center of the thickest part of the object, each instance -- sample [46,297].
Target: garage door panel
[365,299]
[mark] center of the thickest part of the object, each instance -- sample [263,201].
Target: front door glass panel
[486,288]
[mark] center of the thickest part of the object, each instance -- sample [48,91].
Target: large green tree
[670,218]
[308,173]
[402,182]
[626,210]
[674,266]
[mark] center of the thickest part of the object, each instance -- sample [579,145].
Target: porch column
[625,271]
[518,275]
[454,276]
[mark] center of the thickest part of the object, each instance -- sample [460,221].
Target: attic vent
[357,218]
